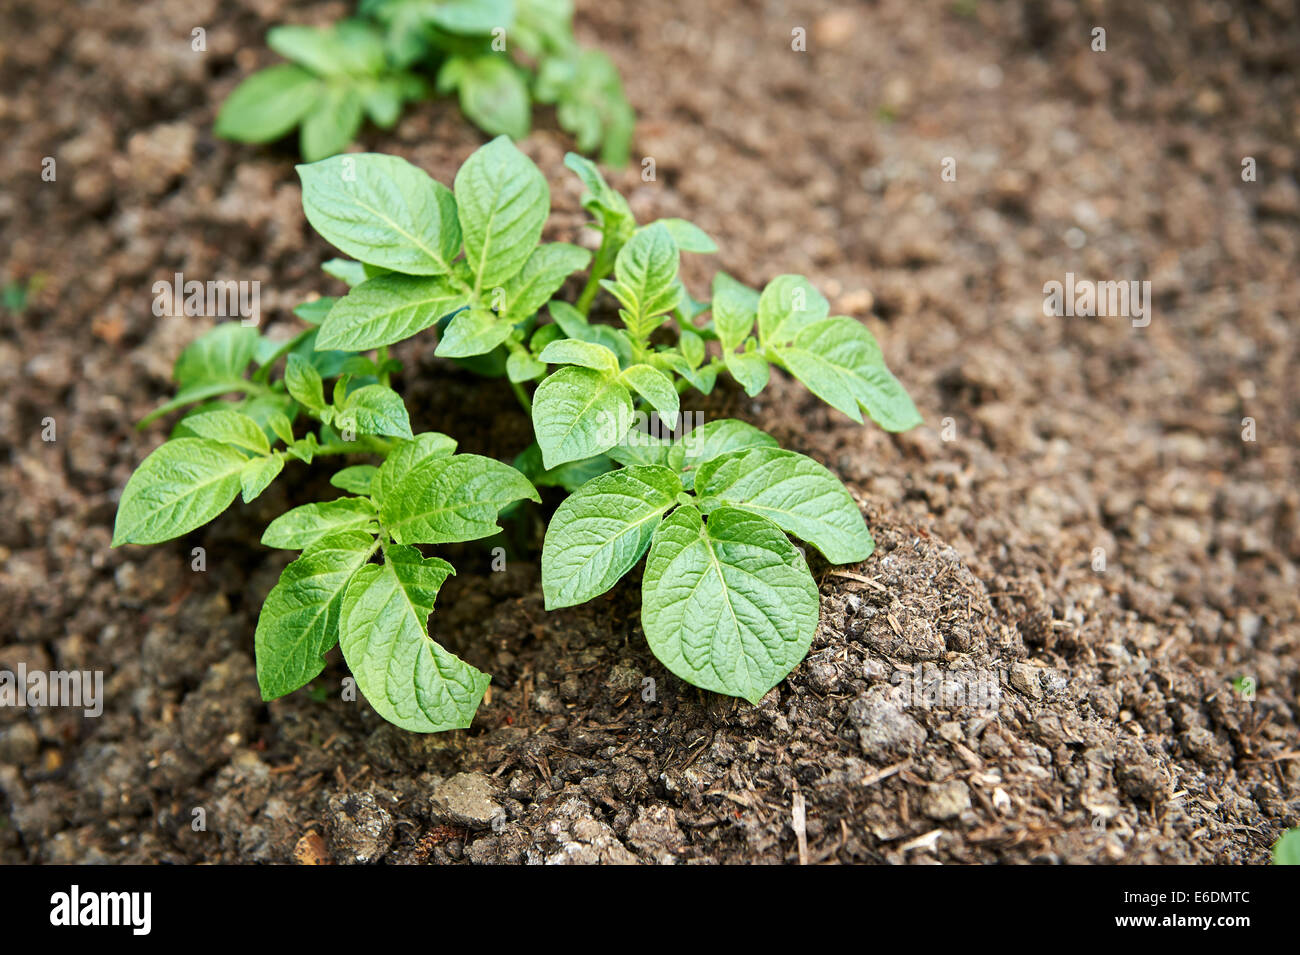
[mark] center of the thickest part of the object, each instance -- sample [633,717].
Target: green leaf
[717,438]
[388,309]
[228,427]
[521,366]
[362,47]
[407,457]
[571,351]
[473,331]
[656,388]
[268,104]
[702,379]
[543,336]
[314,312]
[602,200]
[692,347]
[748,368]
[492,92]
[428,497]
[278,423]
[470,17]
[299,528]
[688,308]
[728,606]
[331,123]
[503,201]
[382,100]
[343,49]
[689,237]
[543,25]
[789,303]
[795,493]
[639,448]
[271,412]
[409,679]
[574,325]
[541,277]
[355,479]
[734,308]
[182,485]
[345,270]
[220,355]
[299,621]
[383,211]
[375,409]
[839,361]
[304,449]
[189,395]
[579,413]
[304,383]
[1286,851]
[258,474]
[601,530]
[646,272]
[570,476]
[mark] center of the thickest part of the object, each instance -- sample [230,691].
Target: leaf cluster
[728,601]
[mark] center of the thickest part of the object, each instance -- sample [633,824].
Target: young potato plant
[728,602]
[498,56]
[421,493]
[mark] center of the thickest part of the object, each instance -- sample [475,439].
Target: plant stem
[252,388]
[522,395]
[366,444]
[600,267]
[383,359]
[583,304]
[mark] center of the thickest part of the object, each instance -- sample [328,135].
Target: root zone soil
[1077,558]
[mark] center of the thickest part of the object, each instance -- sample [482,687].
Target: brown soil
[1116,734]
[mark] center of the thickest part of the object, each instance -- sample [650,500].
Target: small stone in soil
[467,799]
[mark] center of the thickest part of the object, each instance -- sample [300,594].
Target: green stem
[600,267]
[252,388]
[589,290]
[366,444]
[383,359]
[522,395]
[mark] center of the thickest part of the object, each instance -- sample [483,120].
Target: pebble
[467,799]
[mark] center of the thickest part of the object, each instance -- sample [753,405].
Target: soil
[1077,557]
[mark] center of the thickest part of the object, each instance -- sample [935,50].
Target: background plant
[498,56]
[728,603]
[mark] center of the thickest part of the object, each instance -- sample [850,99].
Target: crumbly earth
[1077,557]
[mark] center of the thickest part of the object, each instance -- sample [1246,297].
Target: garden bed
[1091,713]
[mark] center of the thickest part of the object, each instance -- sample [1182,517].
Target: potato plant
[422,493]
[497,56]
[728,602]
